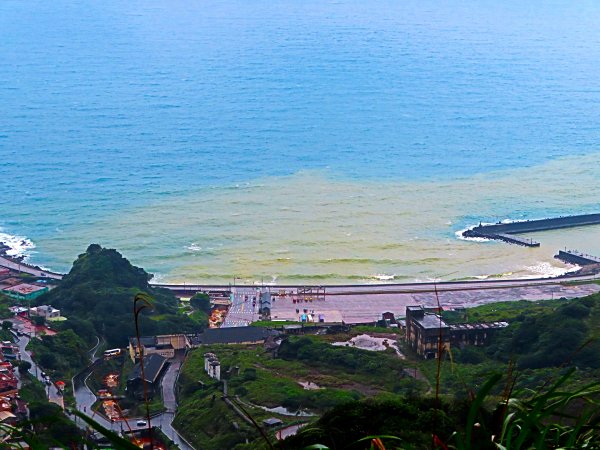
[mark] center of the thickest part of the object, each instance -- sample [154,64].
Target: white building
[212,366]
[46,311]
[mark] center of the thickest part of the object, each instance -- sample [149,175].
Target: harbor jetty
[578,258]
[506,231]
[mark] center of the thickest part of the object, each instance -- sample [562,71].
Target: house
[154,367]
[9,351]
[388,317]
[234,335]
[8,383]
[212,366]
[272,422]
[8,418]
[25,291]
[165,345]
[20,408]
[46,311]
[4,273]
[427,333]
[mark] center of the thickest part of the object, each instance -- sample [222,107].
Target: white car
[142,423]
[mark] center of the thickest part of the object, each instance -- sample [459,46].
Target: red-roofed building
[8,384]
[25,291]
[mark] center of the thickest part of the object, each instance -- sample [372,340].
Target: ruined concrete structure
[427,333]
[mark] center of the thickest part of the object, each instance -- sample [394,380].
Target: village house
[45,311]
[154,367]
[165,345]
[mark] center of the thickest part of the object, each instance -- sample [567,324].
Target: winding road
[85,400]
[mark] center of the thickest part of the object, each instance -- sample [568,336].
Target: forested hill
[98,292]
[105,267]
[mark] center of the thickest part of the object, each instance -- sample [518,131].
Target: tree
[7,325]
[24,366]
[201,301]
[96,295]
[39,321]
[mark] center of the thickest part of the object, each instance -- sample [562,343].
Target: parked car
[142,423]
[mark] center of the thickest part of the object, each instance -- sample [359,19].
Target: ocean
[298,142]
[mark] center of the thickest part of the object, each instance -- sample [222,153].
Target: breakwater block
[506,231]
[575,257]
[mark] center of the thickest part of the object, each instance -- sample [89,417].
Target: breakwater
[575,257]
[506,231]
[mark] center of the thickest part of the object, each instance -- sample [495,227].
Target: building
[154,367]
[212,366]
[272,422]
[25,291]
[46,311]
[4,273]
[234,335]
[427,333]
[9,351]
[474,333]
[165,345]
[9,384]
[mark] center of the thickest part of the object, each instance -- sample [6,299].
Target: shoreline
[588,273]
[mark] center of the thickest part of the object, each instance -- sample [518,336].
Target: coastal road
[26,268]
[366,303]
[390,288]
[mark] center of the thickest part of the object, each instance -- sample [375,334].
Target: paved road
[85,398]
[168,386]
[244,307]
[54,396]
[359,289]
[21,267]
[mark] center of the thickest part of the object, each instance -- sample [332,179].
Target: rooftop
[233,335]
[146,341]
[431,321]
[24,288]
[479,326]
[153,365]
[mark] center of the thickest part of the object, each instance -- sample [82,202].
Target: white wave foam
[547,270]
[194,247]
[459,234]
[17,245]
[384,277]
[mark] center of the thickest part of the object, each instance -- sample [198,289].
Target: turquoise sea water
[296,141]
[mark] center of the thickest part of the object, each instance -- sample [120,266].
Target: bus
[112,353]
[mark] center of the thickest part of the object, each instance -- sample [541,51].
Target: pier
[506,231]
[575,257]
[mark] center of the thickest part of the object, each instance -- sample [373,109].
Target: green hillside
[97,296]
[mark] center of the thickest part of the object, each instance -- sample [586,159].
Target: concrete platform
[368,307]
